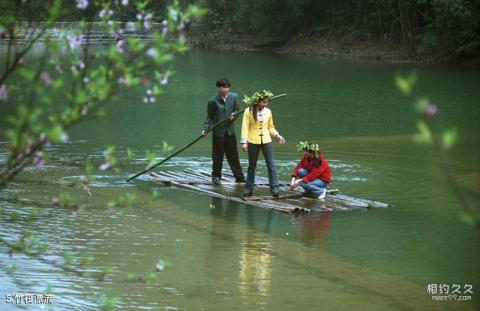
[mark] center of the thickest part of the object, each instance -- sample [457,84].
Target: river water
[221,255]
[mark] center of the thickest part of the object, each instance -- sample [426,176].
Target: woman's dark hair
[223,83]
[316,161]
[254,108]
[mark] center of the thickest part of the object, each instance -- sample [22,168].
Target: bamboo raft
[289,201]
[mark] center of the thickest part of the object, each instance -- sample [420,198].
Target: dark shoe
[240,180]
[275,194]
[247,193]
[216,181]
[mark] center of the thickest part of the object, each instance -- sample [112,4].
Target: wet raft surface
[289,201]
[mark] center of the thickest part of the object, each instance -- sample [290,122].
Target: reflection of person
[220,258]
[315,228]
[224,141]
[257,133]
[256,260]
[313,171]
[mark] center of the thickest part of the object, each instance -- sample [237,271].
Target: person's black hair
[317,161]
[254,110]
[223,83]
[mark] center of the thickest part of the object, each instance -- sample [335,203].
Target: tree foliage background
[438,28]
[441,28]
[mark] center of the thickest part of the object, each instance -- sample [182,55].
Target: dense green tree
[443,28]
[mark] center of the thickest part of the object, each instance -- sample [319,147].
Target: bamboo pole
[194,141]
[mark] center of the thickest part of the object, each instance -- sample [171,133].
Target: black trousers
[226,145]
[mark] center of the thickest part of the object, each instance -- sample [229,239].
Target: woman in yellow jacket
[257,133]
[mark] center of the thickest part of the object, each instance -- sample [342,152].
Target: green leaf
[86,260]
[467,218]
[27,74]
[109,304]
[14,216]
[449,138]
[114,55]
[166,147]
[421,104]
[196,11]
[67,256]
[424,135]
[129,276]
[57,84]
[32,215]
[405,85]
[48,290]
[55,133]
[54,12]
[107,270]
[151,276]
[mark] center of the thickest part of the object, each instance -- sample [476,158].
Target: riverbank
[328,46]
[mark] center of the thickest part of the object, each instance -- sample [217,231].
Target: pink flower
[3,92]
[53,259]
[122,80]
[45,77]
[85,183]
[38,160]
[59,69]
[75,41]
[64,137]
[84,110]
[130,26]
[147,21]
[120,46]
[78,67]
[118,33]
[104,166]
[140,16]
[431,111]
[44,140]
[152,52]
[82,4]
[105,12]
[55,201]
[102,13]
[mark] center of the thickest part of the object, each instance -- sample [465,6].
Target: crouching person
[313,171]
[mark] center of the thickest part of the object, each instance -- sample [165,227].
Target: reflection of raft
[289,201]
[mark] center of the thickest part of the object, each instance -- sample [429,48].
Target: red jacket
[321,171]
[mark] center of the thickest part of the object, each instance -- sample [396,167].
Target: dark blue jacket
[218,110]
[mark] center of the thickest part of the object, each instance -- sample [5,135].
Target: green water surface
[223,255]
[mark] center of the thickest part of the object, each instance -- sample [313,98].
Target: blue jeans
[315,186]
[253,152]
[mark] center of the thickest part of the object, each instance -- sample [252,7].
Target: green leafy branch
[442,143]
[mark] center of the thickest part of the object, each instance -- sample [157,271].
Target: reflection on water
[256,258]
[314,228]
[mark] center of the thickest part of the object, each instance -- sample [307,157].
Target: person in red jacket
[313,171]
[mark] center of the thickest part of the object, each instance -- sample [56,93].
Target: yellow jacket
[258,131]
